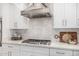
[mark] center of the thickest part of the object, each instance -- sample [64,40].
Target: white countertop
[53,44]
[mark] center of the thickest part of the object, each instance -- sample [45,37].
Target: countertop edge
[54,45]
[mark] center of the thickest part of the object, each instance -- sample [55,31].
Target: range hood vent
[36,12]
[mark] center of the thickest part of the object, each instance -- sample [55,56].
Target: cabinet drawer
[40,54]
[10,46]
[41,51]
[76,53]
[60,52]
[27,48]
[26,53]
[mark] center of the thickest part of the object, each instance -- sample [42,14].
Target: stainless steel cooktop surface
[37,41]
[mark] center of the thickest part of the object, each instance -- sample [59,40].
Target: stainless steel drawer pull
[60,53]
[10,46]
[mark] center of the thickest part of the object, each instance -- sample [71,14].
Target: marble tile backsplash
[42,28]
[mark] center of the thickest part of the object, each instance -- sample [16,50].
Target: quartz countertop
[53,44]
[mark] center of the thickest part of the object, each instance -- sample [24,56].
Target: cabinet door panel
[14,50]
[1,51]
[76,53]
[41,51]
[11,50]
[39,54]
[34,51]
[60,52]
[77,18]
[70,14]
[59,15]
[26,50]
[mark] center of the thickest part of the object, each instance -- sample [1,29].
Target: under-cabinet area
[39,29]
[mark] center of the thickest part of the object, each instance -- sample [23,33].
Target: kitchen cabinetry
[34,51]
[41,51]
[65,15]
[76,53]
[1,51]
[77,15]
[16,20]
[13,50]
[59,21]
[26,50]
[10,50]
[60,52]
[23,50]
[70,15]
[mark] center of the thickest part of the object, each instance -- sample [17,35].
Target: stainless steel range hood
[36,11]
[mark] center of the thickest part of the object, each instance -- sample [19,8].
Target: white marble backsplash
[42,28]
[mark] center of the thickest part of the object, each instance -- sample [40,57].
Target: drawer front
[10,46]
[26,53]
[76,53]
[40,54]
[41,51]
[11,50]
[60,52]
[26,48]
[34,51]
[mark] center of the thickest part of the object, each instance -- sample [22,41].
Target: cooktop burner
[37,41]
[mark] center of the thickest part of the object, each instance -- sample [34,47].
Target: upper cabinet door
[70,15]
[16,20]
[77,15]
[59,15]
[65,15]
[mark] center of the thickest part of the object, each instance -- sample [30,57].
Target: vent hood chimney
[36,10]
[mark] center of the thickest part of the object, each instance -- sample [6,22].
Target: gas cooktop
[37,41]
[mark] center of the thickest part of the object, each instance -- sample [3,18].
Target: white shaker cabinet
[77,15]
[64,15]
[10,50]
[59,21]
[1,51]
[70,15]
[26,50]
[60,52]
[17,21]
[14,50]
[34,51]
[76,53]
[40,51]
